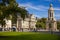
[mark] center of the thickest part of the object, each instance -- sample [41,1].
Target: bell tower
[51,22]
[51,13]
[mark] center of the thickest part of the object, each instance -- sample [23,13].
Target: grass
[27,36]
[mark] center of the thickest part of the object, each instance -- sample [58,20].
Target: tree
[2,8]
[9,10]
[13,10]
[41,23]
[58,24]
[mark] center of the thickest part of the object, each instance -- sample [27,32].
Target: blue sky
[40,7]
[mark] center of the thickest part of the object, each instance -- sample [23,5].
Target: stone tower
[51,22]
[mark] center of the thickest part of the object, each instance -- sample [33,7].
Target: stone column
[17,26]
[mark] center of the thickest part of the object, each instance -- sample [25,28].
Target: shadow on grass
[30,37]
[58,37]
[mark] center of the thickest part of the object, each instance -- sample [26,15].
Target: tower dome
[51,7]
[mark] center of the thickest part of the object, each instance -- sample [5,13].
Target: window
[50,14]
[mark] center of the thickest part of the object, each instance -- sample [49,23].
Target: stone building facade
[28,24]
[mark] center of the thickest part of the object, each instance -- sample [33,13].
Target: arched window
[50,14]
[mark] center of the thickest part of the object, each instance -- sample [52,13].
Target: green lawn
[27,36]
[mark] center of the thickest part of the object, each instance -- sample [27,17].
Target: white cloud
[30,6]
[57,15]
[38,16]
[39,7]
[56,8]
